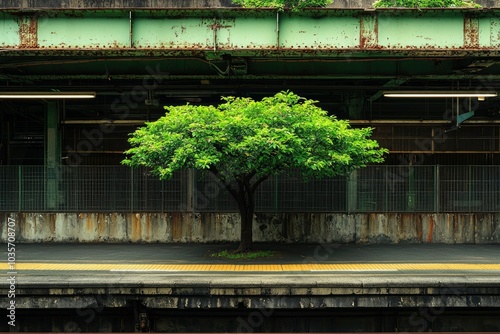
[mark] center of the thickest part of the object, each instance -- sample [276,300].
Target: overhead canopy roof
[344,58]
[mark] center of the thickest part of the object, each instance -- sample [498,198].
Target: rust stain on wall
[149,228]
[101,225]
[113,225]
[52,224]
[136,227]
[420,229]
[176,226]
[88,224]
[430,234]
[368,32]
[400,231]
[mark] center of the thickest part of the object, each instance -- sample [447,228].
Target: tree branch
[224,181]
[249,176]
[258,182]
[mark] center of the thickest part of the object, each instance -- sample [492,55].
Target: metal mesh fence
[395,189]
[380,188]
[9,187]
[469,188]
[282,193]
[88,189]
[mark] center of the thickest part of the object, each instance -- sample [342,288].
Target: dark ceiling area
[337,83]
[141,69]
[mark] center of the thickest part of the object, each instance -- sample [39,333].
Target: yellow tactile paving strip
[255,267]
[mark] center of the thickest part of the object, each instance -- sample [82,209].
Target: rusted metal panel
[471,32]
[492,25]
[28,32]
[262,33]
[9,31]
[318,33]
[89,33]
[421,32]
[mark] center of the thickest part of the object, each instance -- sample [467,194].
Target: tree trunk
[246,207]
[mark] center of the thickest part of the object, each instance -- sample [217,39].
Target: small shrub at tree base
[292,5]
[250,255]
[425,4]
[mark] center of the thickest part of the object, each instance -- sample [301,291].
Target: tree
[293,5]
[243,142]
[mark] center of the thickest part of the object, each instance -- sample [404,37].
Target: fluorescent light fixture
[430,93]
[47,95]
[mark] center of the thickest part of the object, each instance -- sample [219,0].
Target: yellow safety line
[252,267]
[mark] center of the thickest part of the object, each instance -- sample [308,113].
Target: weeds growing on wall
[292,5]
[426,4]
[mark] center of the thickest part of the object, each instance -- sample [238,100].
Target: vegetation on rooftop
[292,5]
[426,4]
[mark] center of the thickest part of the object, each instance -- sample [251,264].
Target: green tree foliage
[426,4]
[293,5]
[242,142]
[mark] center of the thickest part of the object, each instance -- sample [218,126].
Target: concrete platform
[299,276]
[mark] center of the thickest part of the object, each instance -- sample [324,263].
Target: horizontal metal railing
[380,188]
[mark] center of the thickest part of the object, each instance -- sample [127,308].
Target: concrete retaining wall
[285,228]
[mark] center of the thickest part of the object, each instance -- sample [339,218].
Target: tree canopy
[242,142]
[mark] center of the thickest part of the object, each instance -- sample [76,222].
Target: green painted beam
[319,33]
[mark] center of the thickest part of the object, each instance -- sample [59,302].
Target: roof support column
[52,153]
[354,105]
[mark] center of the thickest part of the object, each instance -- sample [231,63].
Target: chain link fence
[374,189]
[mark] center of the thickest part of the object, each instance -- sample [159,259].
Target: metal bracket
[463,117]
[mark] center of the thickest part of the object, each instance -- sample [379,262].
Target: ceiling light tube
[431,94]
[47,95]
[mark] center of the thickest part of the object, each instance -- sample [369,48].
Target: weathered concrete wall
[286,228]
[191,292]
[246,303]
